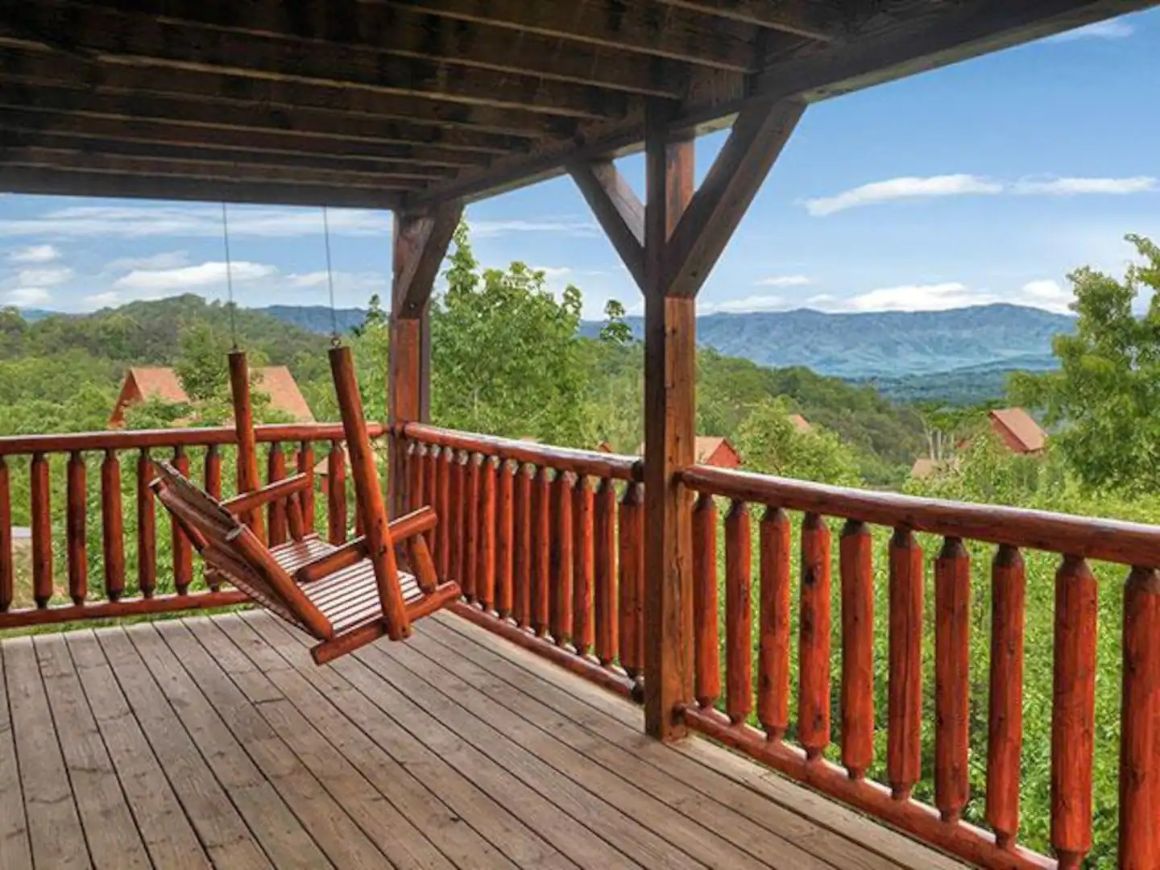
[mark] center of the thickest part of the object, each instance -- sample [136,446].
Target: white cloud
[163,260]
[184,278]
[910,297]
[1074,186]
[347,282]
[906,187]
[23,297]
[1047,293]
[108,299]
[785,281]
[566,225]
[553,272]
[34,254]
[135,222]
[1114,28]
[746,304]
[44,277]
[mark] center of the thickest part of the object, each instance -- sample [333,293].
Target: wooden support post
[248,480]
[669,245]
[420,244]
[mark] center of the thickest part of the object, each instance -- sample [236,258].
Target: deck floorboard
[215,741]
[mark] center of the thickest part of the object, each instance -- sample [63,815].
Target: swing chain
[335,338]
[229,278]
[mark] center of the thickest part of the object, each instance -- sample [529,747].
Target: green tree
[615,330]
[202,365]
[507,357]
[1105,397]
[770,443]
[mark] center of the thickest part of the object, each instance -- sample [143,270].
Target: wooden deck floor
[215,742]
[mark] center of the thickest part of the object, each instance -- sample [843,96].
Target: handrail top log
[593,463]
[1117,541]
[135,439]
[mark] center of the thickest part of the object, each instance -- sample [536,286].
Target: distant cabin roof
[704,447]
[800,423]
[925,467]
[158,382]
[280,386]
[1019,429]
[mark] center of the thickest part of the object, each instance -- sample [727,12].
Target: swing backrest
[229,547]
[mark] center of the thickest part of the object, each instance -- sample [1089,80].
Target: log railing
[88,493]
[545,543]
[751,712]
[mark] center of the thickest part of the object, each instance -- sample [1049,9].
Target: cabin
[143,383]
[1017,431]
[614,686]
[713,450]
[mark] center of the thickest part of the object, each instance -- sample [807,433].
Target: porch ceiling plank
[142,40]
[67,182]
[938,38]
[156,165]
[251,119]
[810,18]
[759,134]
[112,132]
[398,31]
[648,27]
[618,210]
[13,142]
[29,64]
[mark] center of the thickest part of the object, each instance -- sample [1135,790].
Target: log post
[420,243]
[248,480]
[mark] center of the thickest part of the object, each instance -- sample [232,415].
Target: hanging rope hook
[229,278]
[335,339]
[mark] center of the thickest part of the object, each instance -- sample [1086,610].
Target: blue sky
[986,181]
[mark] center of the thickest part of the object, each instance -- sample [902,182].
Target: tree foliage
[1105,397]
[769,442]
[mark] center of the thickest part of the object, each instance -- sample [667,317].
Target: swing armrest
[354,551]
[277,491]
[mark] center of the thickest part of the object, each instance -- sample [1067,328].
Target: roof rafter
[806,18]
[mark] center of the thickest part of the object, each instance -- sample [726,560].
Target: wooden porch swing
[344,596]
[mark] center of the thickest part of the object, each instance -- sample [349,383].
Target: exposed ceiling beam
[617,209]
[420,245]
[141,40]
[938,38]
[809,18]
[14,140]
[245,118]
[157,166]
[34,180]
[414,34]
[46,67]
[641,26]
[150,132]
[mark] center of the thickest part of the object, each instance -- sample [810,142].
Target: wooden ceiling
[406,103]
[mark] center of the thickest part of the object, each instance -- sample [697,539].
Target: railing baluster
[504,542]
[583,634]
[336,493]
[1073,712]
[146,527]
[471,539]
[952,607]
[561,555]
[276,519]
[904,691]
[213,471]
[182,548]
[738,619]
[604,572]
[1140,723]
[773,661]
[1005,725]
[706,639]
[444,528]
[541,549]
[430,488]
[7,578]
[415,480]
[112,526]
[485,566]
[814,638]
[75,516]
[41,530]
[305,465]
[457,515]
[522,569]
[631,562]
[857,570]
